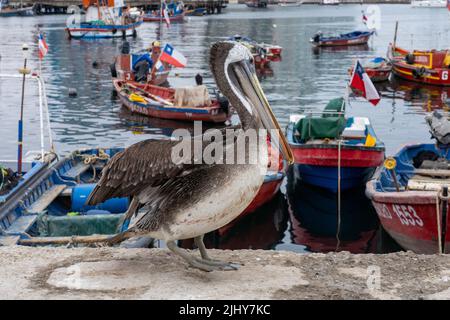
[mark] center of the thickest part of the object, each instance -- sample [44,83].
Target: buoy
[274,25]
[72,92]
[95,64]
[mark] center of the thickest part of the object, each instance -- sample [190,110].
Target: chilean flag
[173,57]
[361,82]
[43,47]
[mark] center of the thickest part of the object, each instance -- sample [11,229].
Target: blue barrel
[80,193]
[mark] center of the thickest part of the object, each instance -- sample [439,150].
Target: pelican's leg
[207,260]
[193,261]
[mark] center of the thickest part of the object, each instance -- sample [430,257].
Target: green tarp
[83,225]
[330,125]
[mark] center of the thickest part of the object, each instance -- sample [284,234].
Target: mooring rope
[438,221]
[338,229]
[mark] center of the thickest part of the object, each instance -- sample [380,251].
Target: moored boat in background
[106,21]
[428,3]
[378,69]
[14,11]
[427,67]
[174,13]
[170,103]
[344,39]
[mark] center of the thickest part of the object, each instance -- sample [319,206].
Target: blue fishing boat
[50,208]
[326,143]
[105,21]
[344,39]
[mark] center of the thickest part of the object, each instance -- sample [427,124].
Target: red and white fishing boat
[345,39]
[410,195]
[427,67]
[168,103]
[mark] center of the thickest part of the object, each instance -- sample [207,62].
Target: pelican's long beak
[244,72]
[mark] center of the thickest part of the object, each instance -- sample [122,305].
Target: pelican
[175,201]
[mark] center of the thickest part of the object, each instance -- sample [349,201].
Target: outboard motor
[317,36]
[439,127]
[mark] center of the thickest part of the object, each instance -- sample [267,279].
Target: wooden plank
[44,201]
[419,183]
[22,224]
[64,240]
[9,240]
[433,172]
[76,170]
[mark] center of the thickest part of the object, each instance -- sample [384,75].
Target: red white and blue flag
[448,5]
[43,47]
[173,57]
[361,82]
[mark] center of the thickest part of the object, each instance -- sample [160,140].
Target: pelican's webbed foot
[202,264]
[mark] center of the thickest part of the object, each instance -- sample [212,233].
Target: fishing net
[78,225]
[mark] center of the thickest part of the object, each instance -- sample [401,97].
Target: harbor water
[305,79]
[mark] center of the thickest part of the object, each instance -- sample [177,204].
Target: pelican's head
[234,71]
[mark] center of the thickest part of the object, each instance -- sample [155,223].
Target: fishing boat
[175,13]
[289,3]
[315,222]
[378,69]
[16,11]
[428,3]
[330,2]
[105,21]
[344,39]
[197,12]
[426,67]
[50,209]
[262,53]
[410,193]
[170,103]
[122,67]
[331,151]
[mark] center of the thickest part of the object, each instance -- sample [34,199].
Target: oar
[155,97]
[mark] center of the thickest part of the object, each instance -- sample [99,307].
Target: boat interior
[53,205]
[424,167]
[331,126]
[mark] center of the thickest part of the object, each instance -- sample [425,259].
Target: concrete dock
[113,273]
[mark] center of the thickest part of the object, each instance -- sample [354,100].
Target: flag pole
[160,19]
[24,71]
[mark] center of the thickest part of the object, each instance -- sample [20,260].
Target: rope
[2,170]
[438,222]
[91,159]
[338,230]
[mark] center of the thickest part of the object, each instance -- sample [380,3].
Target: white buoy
[274,25]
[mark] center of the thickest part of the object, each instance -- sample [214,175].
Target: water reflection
[313,214]
[417,95]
